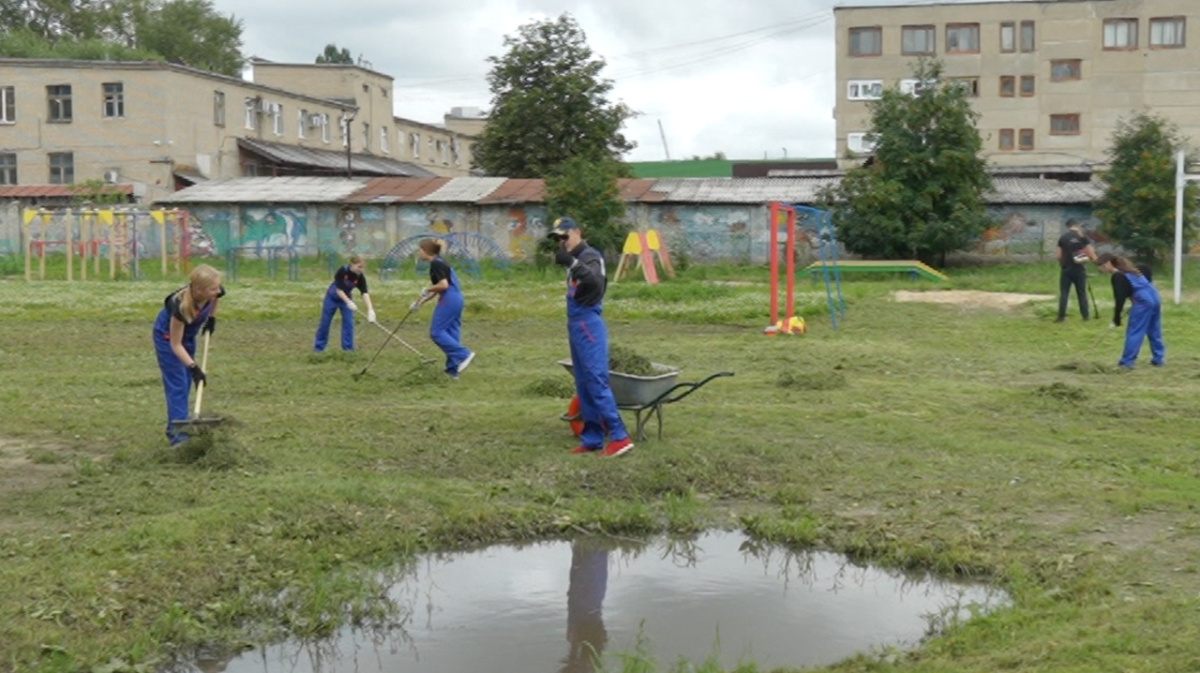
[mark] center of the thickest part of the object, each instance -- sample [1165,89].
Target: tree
[1137,210]
[333,55]
[182,31]
[588,191]
[922,195]
[549,104]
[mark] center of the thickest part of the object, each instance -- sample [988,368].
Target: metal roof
[742,190]
[331,161]
[269,190]
[396,190]
[468,190]
[1035,190]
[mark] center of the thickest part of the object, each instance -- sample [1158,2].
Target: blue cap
[562,225]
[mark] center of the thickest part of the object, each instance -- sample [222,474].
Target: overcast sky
[751,78]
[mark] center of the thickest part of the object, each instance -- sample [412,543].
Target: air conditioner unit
[316,121]
[111,176]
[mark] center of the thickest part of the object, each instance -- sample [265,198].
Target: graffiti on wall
[712,233]
[267,227]
[1025,230]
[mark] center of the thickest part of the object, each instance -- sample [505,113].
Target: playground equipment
[123,235]
[912,267]
[640,249]
[466,248]
[819,228]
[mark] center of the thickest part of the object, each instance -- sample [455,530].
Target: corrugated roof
[517,191]
[468,190]
[645,191]
[1035,190]
[395,190]
[742,190]
[269,190]
[51,191]
[332,161]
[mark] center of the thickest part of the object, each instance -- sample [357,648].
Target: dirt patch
[19,471]
[971,298]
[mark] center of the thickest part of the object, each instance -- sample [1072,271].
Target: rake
[196,420]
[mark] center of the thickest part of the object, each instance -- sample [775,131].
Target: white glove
[370,315]
[415,305]
[352,305]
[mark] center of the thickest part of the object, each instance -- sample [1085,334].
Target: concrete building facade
[160,126]
[1051,79]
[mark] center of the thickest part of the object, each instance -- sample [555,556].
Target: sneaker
[462,366]
[581,449]
[179,439]
[618,447]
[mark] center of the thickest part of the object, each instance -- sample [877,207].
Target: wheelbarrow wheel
[573,416]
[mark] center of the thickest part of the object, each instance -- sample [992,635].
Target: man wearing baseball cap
[588,336]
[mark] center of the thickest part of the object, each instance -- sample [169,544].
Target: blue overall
[347,280]
[177,379]
[446,326]
[588,336]
[1145,322]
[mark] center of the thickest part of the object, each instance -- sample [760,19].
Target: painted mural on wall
[1034,230]
[714,233]
[266,228]
[214,229]
[354,230]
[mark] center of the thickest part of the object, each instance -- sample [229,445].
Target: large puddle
[548,607]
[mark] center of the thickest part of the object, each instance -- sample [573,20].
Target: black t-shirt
[1072,244]
[1123,289]
[346,279]
[439,270]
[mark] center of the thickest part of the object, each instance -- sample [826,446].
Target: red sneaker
[583,449]
[618,447]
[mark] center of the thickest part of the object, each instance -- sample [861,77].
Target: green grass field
[963,438]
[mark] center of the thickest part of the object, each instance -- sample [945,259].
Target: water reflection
[719,595]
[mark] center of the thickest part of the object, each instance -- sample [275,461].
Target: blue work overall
[177,379]
[445,328]
[588,336]
[1145,322]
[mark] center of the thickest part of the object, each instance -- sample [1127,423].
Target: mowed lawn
[967,438]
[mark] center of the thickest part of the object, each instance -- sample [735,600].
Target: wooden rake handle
[204,368]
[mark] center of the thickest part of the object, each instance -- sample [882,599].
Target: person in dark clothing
[1145,316]
[1074,250]
[337,298]
[588,336]
[1123,289]
[185,313]
[446,327]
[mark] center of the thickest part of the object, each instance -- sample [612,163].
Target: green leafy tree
[588,191]
[334,55]
[1137,210]
[182,31]
[549,104]
[922,194]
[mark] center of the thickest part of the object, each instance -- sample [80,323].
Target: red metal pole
[791,268]
[774,219]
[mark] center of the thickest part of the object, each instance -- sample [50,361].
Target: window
[1120,34]
[866,41]
[1008,37]
[1008,86]
[114,99]
[962,38]
[383,140]
[8,104]
[59,98]
[1025,139]
[1168,33]
[251,114]
[8,168]
[1066,70]
[912,87]
[415,139]
[969,85]
[860,143]
[324,127]
[1064,125]
[1027,85]
[366,137]
[277,118]
[218,108]
[916,40]
[62,168]
[346,121]
[1006,140]
[302,122]
[864,89]
[1028,36]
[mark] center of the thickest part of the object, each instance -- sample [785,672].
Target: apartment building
[1050,78]
[159,126]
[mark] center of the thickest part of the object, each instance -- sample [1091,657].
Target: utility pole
[663,135]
